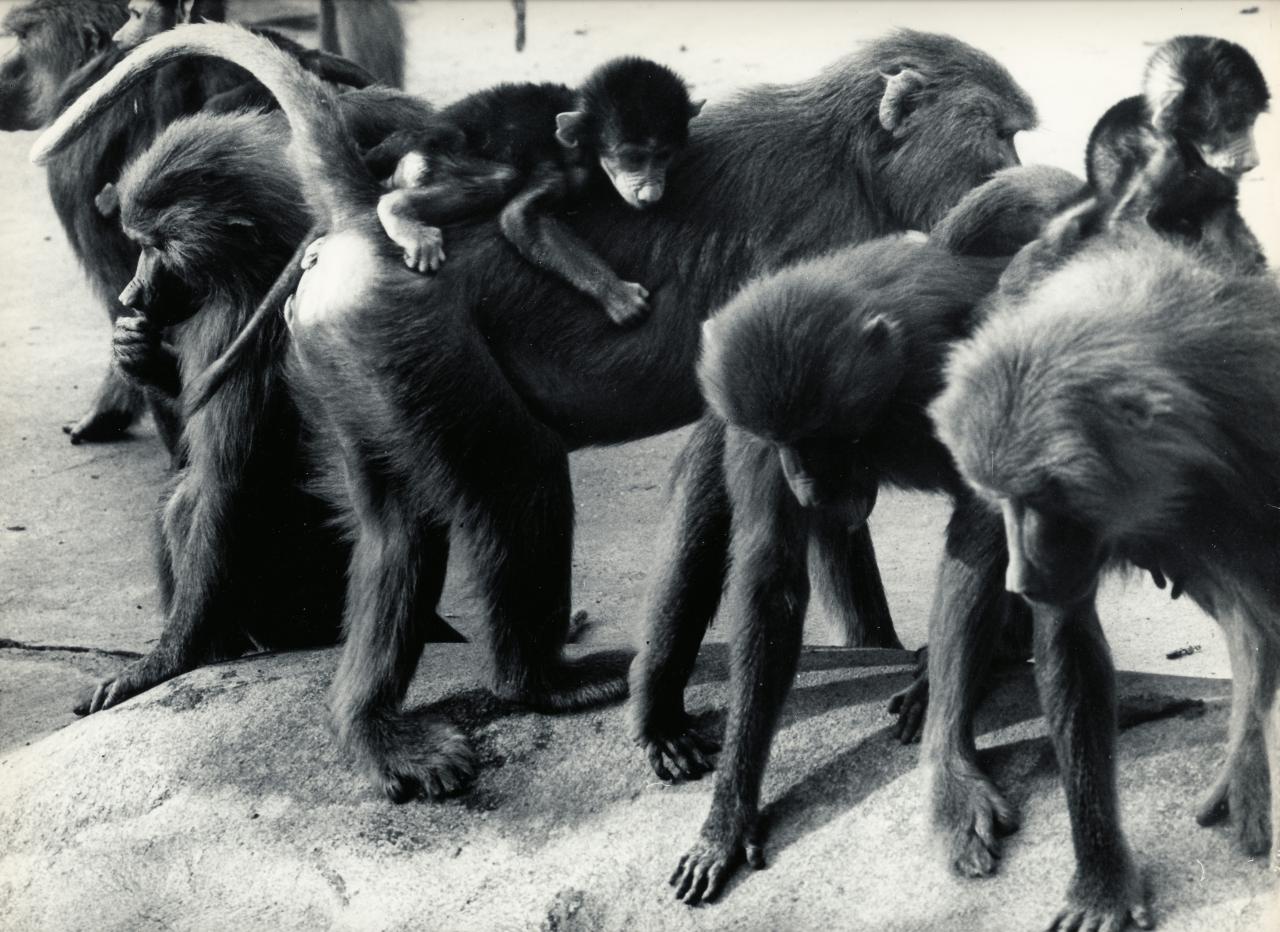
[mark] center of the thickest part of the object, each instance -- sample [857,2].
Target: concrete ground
[76,588]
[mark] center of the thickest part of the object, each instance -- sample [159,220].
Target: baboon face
[146,19]
[51,40]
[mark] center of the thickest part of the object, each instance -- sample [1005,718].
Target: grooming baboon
[539,149]
[1173,156]
[1125,409]
[821,374]
[473,416]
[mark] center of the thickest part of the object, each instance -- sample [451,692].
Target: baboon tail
[337,185]
[204,386]
[369,33]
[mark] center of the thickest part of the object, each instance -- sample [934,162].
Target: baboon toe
[681,755]
[436,763]
[1253,833]
[1213,806]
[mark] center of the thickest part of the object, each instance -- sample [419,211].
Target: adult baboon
[458,397]
[1124,408]
[247,553]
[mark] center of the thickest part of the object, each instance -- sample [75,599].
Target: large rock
[220,801]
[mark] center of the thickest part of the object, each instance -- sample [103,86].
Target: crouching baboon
[1125,409]
[248,555]
[454,414]
[821,374]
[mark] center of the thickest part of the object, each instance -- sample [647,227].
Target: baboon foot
[910,704]
[424,251]
[137,677]
[1105,903]
[413,756]
[100,425]
[973,814]
[704,868]
[577,684]
[1241,790]
[676,749]
[628,305]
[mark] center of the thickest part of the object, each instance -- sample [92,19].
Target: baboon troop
[370,332]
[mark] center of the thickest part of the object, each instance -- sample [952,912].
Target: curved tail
[336,182]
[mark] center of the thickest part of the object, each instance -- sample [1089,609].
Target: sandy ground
[74,521]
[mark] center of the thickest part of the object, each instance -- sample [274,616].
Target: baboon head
[1084,408]
[53,39]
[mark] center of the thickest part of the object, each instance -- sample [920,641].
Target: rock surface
[220,801]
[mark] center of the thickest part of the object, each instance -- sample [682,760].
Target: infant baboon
[1124,409]
[1174,155]
[536,148]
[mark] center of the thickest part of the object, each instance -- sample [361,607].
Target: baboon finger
[656,762]
[755,856]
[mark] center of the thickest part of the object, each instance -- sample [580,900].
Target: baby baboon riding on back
[538,148]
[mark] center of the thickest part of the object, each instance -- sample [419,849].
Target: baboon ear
[185,8]
[569,128]
[896,104]
[1136,407]
[92,40]
[877,332]
[695,107]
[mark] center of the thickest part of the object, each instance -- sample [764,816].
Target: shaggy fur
[456,398]
[1125,409]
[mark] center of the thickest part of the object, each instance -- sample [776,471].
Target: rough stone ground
[75,579]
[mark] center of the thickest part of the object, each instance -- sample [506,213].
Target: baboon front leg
[963,626]
[192,539]
[685,599]
[1076,682]
[770,543]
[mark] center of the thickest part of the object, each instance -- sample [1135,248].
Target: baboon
[821,374]
[472,417]
[1125,409]
[538,148]
[215,210]
[1173,156]
[63,47]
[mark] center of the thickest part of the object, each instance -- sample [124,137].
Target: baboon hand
[704,868]
[677,750]
[628,304]
[1105,905]
[135,346]
[972,812]
[424,250]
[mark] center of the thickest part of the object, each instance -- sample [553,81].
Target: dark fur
[540,149]
[473,407]
[240,530]
[1143,158]
[1125,409]
[820,374]
[834,359]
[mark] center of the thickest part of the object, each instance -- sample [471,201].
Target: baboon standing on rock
[1124,409]
[457,398]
